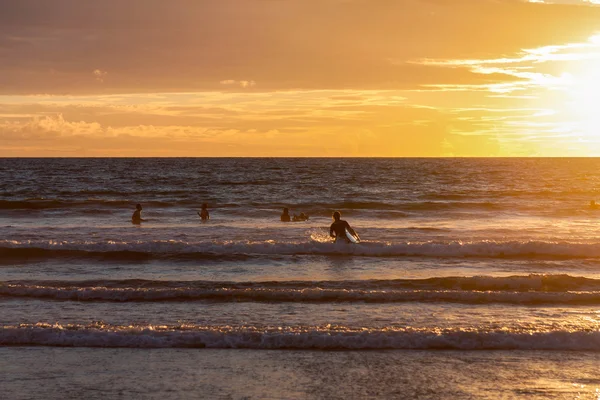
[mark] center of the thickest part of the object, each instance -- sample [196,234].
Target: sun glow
[569,95]
[583,93]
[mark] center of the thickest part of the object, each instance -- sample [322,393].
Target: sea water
[474,278]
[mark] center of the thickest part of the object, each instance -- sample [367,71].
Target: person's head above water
[285,210]
[204,206]
[138,207]
[337,215]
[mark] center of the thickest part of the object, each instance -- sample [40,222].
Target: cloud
[573,2]
[246,84]
[46,127]
[527,67]
[99,75]
[325,123]
[242,84]
[264,124]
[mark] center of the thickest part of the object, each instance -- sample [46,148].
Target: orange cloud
[99,75]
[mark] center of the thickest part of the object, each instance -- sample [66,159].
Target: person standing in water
[285,217]
[204,213]
[338,228]
[136,218]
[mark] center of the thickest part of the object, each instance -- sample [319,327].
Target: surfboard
[352,238]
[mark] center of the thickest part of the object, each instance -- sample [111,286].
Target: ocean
[475,278]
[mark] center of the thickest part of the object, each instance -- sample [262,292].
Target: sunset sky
[83,78]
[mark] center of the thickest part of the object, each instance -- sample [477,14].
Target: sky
[319,78]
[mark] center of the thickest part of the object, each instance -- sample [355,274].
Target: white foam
[365,248]
[322,338]
[286,294]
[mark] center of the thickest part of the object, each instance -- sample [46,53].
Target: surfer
[285,217]
[204,213]
[136,218]
[339,227]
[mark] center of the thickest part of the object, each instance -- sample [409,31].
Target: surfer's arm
[331,231]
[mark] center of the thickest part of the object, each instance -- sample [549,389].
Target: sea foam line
[316,294]
[320,338]
[178,249]
[531,282]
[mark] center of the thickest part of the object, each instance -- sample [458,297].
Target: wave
[527,290]
[508,195]
[301,338]
[47,204]
[35,254]
[175,249]
[30,205]
[66,204]
[395,205]
[129,192]
[79,201]
[451,205]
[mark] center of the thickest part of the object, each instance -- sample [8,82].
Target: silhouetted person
[285,217]
[338,228]
[301,217]
[136,218]
[204,213]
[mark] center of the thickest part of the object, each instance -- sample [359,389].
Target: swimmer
[204,213]
[136,218]
[285,217]
[301,217]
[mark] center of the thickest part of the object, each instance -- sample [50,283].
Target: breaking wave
[218,249]
[532,289]
[302,338]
